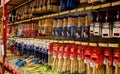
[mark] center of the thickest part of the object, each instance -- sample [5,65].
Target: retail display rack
[8,5]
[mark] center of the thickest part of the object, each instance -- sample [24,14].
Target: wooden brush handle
[116,70]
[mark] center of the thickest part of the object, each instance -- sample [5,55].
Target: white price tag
[105,62]
[92,64]
[86,61]
[115,63]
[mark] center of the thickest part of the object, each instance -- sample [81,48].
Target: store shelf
[9,67]
[91,7]
[13,4]
[101,44]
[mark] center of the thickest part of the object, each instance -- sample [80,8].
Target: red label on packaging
[80,52]
[50,48]
[97,56]
[108,58]
[55,50]
[66,52]
[116,57]
[73,52]
[61,51]
[87,53]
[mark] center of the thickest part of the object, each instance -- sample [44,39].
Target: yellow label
[47,40]
[44,16]
[36,18]
[56,14]
[89,7]
[84,43]
[48,15]
[77,42]
[55,40]
[74,10]
[61,41]
[71,41]
[116,3]
[63,13]
[92,44]
[51,40]
[97,7]
[103,44]
[66,41]
[97,66]
[52,15]
[113,45]
[41,17]
[105,5]
[81,9]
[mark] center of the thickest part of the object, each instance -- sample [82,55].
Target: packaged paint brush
[107,27]
[86,28]
[72,23]
[96,61]
[108,59]
[54,27]
[80,59]
[87,57]
[44,6]
[116,25]
[66,59]
[47,26]
[97,26]
[50,53]
[73,58]
[116,61]
[59,26]
[60,58]
[55,56]
[81,22]
[65,23]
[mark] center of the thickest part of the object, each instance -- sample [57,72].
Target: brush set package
[45,27]
[105,24]
[28,30]
[38,49]
[71,26]
[66,58]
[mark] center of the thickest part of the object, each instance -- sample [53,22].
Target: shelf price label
[47,40]
[115,45]
[66,41]
[74,10]
[37,18]
[97,7]
[115,3]
[89,8]
[44,16]
[77,42]
[48,15]
[56,14]
[84,43]
[81,9]
[106,5]
[56,41]
[103,44]
[64,12]
[51,40]
[92,44]
[41,17]
[61,41]
[71,41]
